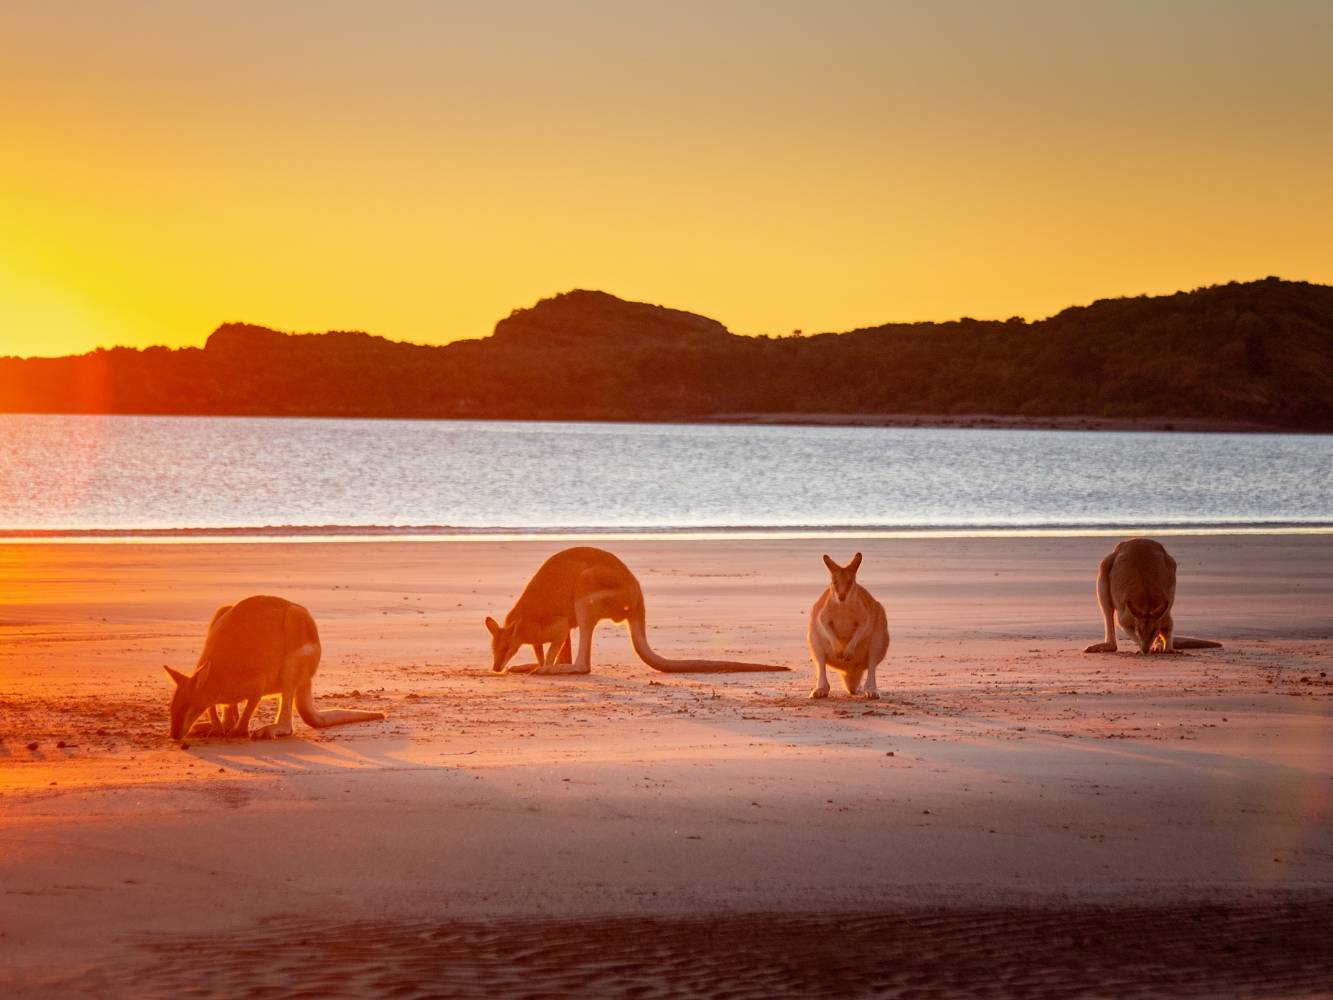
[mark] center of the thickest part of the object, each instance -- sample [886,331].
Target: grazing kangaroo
[1136,584]
[258,647]
[575,589]
[849,632]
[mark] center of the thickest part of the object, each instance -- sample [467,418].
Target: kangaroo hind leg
[879,649]
[819,654]
[585,620]
[298,667]
[283,725]
[1108,643]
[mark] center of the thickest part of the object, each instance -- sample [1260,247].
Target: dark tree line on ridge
[1258,351]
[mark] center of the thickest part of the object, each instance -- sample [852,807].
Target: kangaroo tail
[1189,642]
[305,704]
[638,635]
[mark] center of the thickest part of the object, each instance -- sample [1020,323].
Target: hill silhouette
[1257,352]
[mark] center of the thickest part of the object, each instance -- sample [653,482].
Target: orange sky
[419,169]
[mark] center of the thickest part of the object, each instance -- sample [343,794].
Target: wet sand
[1188,950]
[1069,818]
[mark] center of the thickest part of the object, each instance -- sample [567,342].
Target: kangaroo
[258,647]
[849,632]
[1136,584]
[575,589]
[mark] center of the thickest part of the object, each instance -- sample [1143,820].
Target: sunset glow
[763,499]
[419,170]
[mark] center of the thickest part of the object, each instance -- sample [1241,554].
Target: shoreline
[924,421]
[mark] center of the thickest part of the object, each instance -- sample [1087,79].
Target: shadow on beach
[1276,948]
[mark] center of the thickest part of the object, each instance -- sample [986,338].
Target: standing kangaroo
[577,588]
[849,632]
[261,646]
[1136,584]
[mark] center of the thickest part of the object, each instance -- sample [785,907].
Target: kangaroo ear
[855,564]
[176,676]
[492,626]
[832,566]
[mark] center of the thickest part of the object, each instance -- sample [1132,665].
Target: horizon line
[657,305]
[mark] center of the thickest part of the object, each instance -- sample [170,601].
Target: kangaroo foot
[552,669]
[872,694]
[1101,647]
[271,732]
[820,692]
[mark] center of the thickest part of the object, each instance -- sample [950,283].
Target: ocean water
[76,475]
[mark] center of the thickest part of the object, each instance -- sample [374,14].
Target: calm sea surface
[76,474]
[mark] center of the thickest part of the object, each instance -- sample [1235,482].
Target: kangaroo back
[1143,574]
[553,588]
[248,643]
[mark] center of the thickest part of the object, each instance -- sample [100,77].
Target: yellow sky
[417,170]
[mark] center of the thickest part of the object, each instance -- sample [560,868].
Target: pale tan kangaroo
[575,589]
[849,632]
[260,646]
[1136,585]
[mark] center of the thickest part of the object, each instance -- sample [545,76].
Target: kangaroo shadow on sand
[311,751]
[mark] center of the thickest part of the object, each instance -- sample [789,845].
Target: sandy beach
[1014,812]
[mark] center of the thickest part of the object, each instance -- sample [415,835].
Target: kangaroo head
[843,577]
[1148,624]
[504,643]
[184,711]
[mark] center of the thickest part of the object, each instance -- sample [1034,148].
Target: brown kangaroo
[577,588]
[1136,585]
[258,647]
